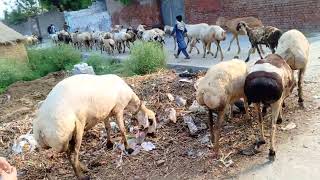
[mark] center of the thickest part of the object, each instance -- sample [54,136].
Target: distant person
[52,29]
[66,27]
[180,29]
[7,172]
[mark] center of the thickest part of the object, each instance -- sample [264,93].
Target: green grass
[41,62]
[103,65]
[145,58]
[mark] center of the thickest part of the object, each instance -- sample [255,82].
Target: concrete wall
[29,27]
[139,12]
[284,14]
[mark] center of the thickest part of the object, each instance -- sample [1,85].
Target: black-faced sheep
[77,104]
[218,89]
[231,26]
[294,47]
[266,35]
[269,82]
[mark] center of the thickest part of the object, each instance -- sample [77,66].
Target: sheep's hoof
[300,101]
[247,60]
[84,178]
[272,155]
[153,135]
[129,150]
[260,142]
[109,145]
[279,121]
[283,105]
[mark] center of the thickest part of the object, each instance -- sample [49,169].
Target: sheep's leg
[300,80]
[210,124]
[108,128]
[175,43]
[209,49]
[260,46]
[262,139]
[258,49]
[238,44]
[74,151]
[122,128]
[250,52]
[246,108]
[216,55]
[275,113]
[204,49]
[220,51]
[192,44]
[198,51]
[216,130]
[233,38]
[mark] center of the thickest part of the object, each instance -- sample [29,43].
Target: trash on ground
[205,139]
[160,162]
[226,160]
[187,74]
[192,127]
[180,101]
[25,143]
[289,126]
[195,107]
[148,146]
[186,80]
[140,136]
[114,127]
[172,115]
[82,68]
[170,96]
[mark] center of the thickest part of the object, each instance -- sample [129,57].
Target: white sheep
[108,45]
[31,40]
[218,89]
[294,47]
[120,38]
[85,39]
[77,104]
[269,82]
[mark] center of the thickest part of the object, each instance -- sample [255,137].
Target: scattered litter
[192,127]
[148,146]
[25,143]
[187,74]
[180,101]
[140,136]
[205,139]
[195,107]
[82,68]
[170,96]
[172,115]
[290,126]
[160,162]
[226,160]
[114,127]
[186,80]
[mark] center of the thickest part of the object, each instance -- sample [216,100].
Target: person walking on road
[180,30]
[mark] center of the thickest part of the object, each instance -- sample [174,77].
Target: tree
[66,5]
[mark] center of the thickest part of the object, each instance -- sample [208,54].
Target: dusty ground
[184,157]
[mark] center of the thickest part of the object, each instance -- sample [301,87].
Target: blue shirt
[180,37]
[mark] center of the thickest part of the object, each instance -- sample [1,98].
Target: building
[11,44]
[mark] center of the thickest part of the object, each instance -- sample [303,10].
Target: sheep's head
[147,120]
[242,26]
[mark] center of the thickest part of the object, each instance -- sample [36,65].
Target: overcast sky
[3,6]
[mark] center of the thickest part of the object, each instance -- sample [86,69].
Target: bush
[102,65]
[44,61]
[145,58]
[12,71]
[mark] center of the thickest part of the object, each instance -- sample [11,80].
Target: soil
[178,155]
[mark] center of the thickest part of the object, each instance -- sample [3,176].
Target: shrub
[145,58]
[12,71]
[44,61]
[102,65]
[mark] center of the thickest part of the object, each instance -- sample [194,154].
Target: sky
[5,4]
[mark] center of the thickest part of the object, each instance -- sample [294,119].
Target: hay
[9,36]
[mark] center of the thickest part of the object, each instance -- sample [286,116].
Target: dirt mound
[177,155]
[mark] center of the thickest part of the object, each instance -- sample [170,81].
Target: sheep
[78,103]
[168,30]
[64,36]
[266,35]
[218,89]
[108,45]
[231,26]
[193,34]
[269,82]
[85,39]
[120,38]
[294,47]
[31,40]
[54,38]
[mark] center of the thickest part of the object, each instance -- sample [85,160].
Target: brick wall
[139,12]
[285,14]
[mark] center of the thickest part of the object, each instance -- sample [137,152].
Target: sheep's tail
[207,99]
[264,88]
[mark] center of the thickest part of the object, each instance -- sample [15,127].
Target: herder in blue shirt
[180,30]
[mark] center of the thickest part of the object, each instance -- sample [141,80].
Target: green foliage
[22,10]
[126,2]
[102,65]
[41,62]
[145,58]
[53,59]
[66,5]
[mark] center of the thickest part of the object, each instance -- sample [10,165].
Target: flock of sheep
[78,103]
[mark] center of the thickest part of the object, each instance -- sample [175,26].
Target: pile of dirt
[178,155]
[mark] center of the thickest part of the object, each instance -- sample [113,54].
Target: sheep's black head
[241,25]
